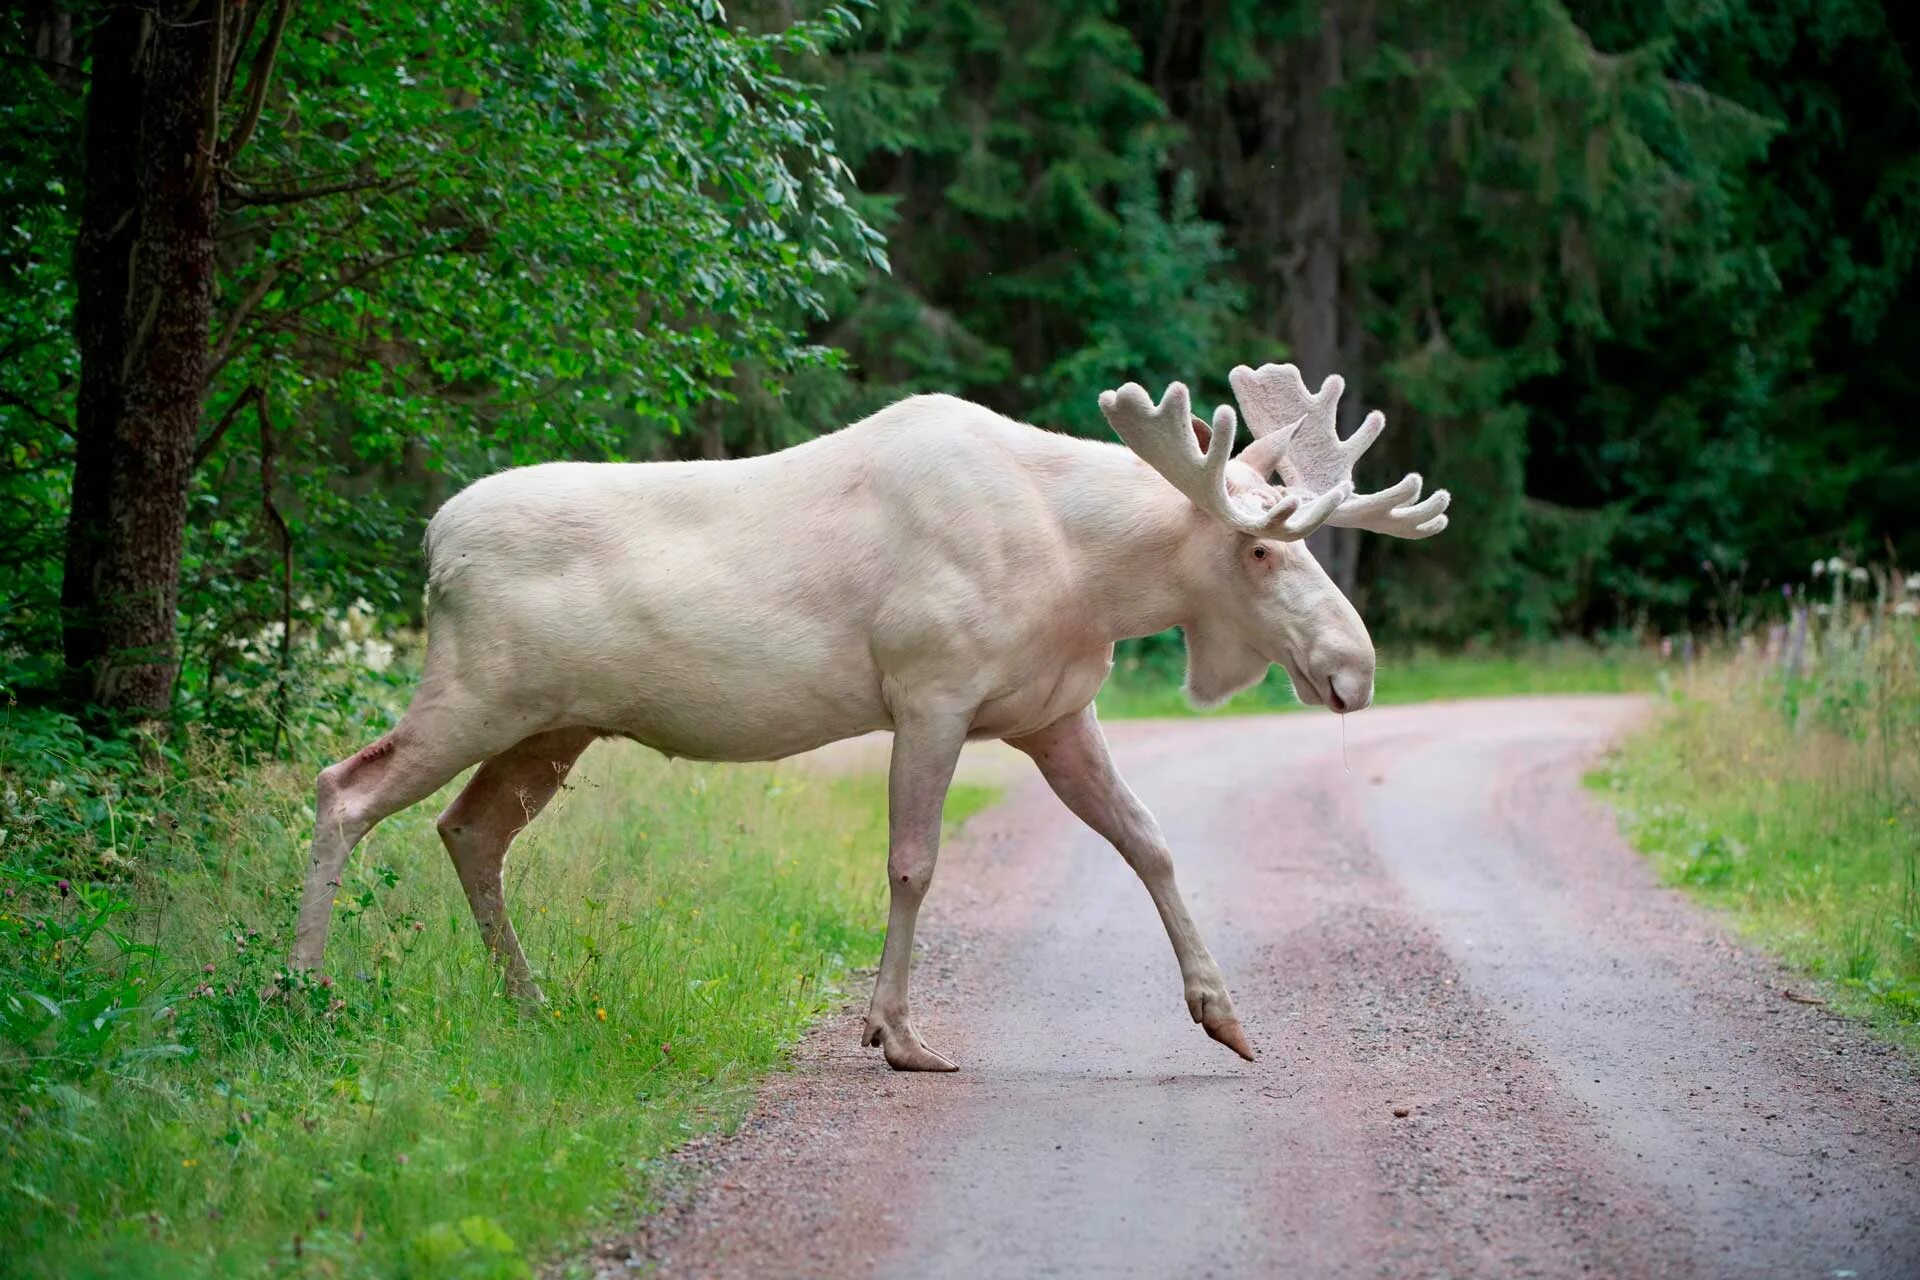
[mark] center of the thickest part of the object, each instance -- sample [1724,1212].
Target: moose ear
[1203,433]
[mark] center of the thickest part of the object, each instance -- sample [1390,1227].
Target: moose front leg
[1072,755]
[925,750]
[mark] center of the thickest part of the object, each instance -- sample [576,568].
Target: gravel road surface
[1490,1044]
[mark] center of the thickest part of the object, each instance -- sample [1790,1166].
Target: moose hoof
[1228,1033]
[903,1048]
[1210,1007]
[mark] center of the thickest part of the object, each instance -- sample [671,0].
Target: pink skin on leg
[435,740]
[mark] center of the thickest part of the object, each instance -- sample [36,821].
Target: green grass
[688,921]
[1794,806]
[1148,683]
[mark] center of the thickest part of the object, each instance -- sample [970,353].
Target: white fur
[751,609]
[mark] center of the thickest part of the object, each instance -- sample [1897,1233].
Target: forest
[1638,281]
[1635,280]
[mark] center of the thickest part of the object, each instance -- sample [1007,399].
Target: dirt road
[1489,1045]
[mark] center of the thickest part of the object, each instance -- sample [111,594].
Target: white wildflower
[376,655]
[1913,584]
[1819,567]
[1858,573]
[1907,609]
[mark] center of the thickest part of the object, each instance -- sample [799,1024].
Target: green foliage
[69,983]
[475,1248]
[177,1103]
[1045,248]
[1743,424]
[594,211]
[463,236]
[1158,301]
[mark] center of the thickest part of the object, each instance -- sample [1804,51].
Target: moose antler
[1294,431]
[1164,437]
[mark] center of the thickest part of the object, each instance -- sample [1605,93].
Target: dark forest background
[1634,278]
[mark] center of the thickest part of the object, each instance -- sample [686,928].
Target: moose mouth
[1305,689]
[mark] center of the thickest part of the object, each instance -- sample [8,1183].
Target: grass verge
[1146,679]
[400,1117]
[1794,806]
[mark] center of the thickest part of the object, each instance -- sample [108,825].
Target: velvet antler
[1295,432]
[1164,436]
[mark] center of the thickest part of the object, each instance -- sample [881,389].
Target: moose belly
[738,731]
[742,702]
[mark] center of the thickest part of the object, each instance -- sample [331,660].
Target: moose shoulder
[936,569]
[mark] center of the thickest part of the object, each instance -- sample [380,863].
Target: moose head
[1273,602]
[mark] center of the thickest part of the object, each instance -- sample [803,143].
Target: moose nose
[1348,693]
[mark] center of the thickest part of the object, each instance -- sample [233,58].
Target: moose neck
[1140,547]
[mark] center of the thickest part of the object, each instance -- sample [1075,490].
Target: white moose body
[936,569]
[752,609]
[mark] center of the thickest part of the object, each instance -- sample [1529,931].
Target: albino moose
[937,570]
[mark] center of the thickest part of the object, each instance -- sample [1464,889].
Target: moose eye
[1259,553]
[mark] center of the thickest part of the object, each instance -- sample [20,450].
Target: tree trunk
[1313,303]
[144,276]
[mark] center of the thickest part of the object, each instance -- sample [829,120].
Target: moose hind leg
[420,756]
[498,802]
